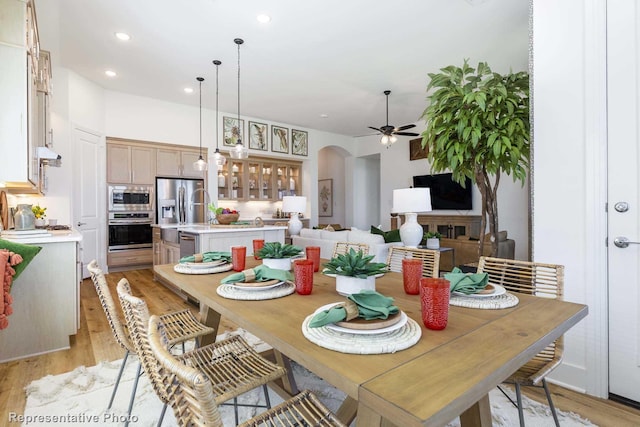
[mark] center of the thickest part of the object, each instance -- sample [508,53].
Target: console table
[450,226]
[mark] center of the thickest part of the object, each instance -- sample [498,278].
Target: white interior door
[89,200]
[623,75]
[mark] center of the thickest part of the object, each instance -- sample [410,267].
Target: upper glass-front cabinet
[259,179]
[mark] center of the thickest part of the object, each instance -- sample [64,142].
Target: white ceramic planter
[433,243]
[347,285]
[278,263]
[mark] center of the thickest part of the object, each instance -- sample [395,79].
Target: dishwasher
[188,243]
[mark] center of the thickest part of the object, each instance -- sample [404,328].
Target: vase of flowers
[277,255]
[354,272]
[40,214]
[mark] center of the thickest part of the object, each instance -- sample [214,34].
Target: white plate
[254,288]
[334,275]
[403,320]
[499,291]
[197,265]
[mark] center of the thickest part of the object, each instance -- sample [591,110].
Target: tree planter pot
[278,263]
[433,243]
[347,285]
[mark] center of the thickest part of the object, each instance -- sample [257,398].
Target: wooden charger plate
[489,289]
[362,324]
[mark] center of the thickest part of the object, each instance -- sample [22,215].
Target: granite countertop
[51,236]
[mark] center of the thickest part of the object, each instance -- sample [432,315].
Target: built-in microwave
[130,198]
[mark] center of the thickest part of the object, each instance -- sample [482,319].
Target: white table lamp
[294,205]
[410,201]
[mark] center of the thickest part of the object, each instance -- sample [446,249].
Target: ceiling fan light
[384,140]
[393,139]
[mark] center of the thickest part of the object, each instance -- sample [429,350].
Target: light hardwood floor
[94,343]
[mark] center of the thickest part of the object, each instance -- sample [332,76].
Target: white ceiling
[333,57]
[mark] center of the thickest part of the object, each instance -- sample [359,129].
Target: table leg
[288,381]
[478,415]
[210,318]
[348,410]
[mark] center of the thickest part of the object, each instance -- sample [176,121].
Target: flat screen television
[446,194]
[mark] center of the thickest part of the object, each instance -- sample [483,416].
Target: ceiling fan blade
[406,133]
[376,129]
[405,127]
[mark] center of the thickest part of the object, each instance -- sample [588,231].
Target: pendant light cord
[217,63]
[200,80]
[239,42]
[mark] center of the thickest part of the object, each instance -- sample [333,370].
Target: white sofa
[327,241]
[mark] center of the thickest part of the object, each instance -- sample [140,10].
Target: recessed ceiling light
[263,18]
[110,73]
[324,116]
[123,36]
[188,90]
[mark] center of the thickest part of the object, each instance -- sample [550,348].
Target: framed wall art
[279,139]
[258,136]
[416,151]
[299,142]
[233,129]
[325,197]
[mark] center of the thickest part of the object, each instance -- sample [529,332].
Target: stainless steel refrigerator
[180,201]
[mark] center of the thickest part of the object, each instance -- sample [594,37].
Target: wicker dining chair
[181,326]
[542,280]
[430,259]
[231,364]
[342,248]
[195,398]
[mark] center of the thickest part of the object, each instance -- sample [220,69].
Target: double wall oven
[131,213]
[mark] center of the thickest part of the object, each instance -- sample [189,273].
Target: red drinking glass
[303,274]
[257,245]
[313,253]
[238,257]
[434,302]
[411,275]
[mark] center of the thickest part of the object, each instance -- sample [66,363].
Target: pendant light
[200,164]
[240,151]
[217,156]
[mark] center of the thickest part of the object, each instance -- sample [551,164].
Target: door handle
[623,242]
[80,224]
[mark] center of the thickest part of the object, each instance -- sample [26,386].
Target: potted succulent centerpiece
[433,239]
[277,255]
[354,271]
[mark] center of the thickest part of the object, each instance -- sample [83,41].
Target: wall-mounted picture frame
[232,130]
[416,151]
[258,136]
[279,139]
[299,142]
[325,197]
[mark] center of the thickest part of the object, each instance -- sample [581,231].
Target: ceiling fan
[389,132]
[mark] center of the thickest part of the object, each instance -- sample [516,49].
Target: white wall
[569,222]
[397,171]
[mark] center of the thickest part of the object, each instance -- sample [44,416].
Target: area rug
[79,398]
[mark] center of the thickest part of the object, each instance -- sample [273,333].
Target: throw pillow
[26,251]
[389,236]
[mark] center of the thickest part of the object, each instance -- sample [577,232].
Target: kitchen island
[173,241]
[46,299]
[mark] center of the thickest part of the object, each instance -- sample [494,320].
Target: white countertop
[52,236]
[202,228]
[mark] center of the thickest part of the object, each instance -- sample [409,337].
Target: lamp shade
[411,200]
[294,204]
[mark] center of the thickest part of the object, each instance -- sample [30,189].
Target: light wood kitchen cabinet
[130,164]
[170,253]
[178,163]
[156,234]
[142,257]
[259,178]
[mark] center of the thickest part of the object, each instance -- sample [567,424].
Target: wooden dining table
[446,374]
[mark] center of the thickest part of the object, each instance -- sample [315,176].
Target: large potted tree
[478,127]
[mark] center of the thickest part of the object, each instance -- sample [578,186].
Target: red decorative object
[238,257]
[434,302]
[313,253]
[411,275]
[303,273]
[257,245]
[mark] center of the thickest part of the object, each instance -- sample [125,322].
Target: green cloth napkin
[466,283]
[371,305]
[208,257]
[263,273]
